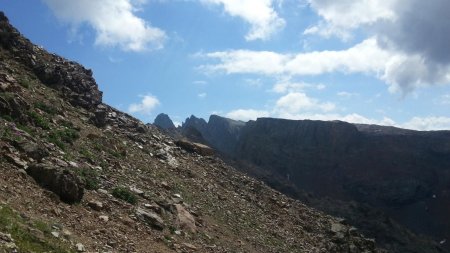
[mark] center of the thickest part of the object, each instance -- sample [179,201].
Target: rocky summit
[77,175]
[163,121]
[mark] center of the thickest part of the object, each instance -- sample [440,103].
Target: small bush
[39,120]
[61,137]
[24,128]
[90,178]
[124,194]
[53,138]
[25,82]
[68,135]
[46,108]
[7,118]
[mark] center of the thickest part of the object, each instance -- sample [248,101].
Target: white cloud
[202,95]
[146,106]
[247,114]
[428,123]
[287,86]
[401,71]
[177,123]
[297,102]
[365,57]
[253,82]
[340,17]
[260,14]
[405,73]
[346,94]
[298,106]
[351,118]
[114,22]
[246,61]
[415,34]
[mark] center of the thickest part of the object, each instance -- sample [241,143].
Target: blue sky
[369,61]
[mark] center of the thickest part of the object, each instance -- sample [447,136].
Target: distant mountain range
[404,174]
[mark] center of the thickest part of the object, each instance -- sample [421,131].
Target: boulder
[150,218]
[100,116]
[14,106]
[185,219]
[32,149]
[195,147]
[62,181]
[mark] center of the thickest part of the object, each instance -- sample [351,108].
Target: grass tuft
[124,194]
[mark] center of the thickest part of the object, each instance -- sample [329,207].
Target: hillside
[386,181]
[77,175]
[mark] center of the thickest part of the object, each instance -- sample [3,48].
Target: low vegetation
[29,236]
[124,194]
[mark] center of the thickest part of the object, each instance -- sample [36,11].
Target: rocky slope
[390,174]
[77,175]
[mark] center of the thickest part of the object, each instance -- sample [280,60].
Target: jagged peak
[163,121]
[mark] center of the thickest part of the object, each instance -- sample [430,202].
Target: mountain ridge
[375,165]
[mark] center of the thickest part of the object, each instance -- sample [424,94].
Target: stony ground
[79,176]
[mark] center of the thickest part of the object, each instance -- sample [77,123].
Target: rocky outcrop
[72,79]
[195,147]
[163,121]
[62,181]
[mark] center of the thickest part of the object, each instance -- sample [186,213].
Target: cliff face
[382,169]
[221,133]
[403,173]
[306,153]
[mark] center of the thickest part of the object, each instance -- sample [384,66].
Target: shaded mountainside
[164,122]
[77,175]
[221,132]
[376,177]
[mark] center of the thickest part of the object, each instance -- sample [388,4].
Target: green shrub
[39,120]
[24,128]
[124,194]
[7,118]
[90,178]
[25,82]
[46,108]
[61,137]
[53,138]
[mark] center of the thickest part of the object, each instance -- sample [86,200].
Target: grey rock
[96,205]
[62,181]
[195,147]
[185,220]
[80,247]
[150,218]
[32,149]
